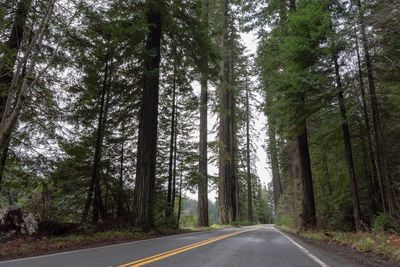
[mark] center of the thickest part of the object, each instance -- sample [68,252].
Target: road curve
[248,246]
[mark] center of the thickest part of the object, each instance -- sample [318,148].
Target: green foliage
[377,243]
[188,221]
[288,57]
[385,223]
[284,220]
[235,224]
[295,59]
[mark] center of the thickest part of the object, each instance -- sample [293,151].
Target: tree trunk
[175,155]
[107,176]
[235,178]
[3,158]
[202,200]
[249,189]
[94,186]
[292,5]
[12,46]
[226,179]
[296,182]
[371,188]
[276,179]
[308,215]
[148,122]
[180,199]
[102,211]
[348,149]
[380,159]
[121,174]
[169,211]
[370,147]
[23,79]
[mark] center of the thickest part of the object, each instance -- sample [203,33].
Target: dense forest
[330,74]
[112,113]
[105,108]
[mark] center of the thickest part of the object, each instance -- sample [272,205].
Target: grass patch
[382,244]
[234,224]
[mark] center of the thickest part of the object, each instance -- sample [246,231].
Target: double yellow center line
[176,251]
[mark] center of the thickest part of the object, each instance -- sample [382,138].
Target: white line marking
[108,246]
[304,250]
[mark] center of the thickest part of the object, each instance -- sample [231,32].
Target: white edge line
[108,246]
[304,250]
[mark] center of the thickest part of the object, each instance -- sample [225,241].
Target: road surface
[253,246]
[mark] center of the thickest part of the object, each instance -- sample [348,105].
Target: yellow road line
[176,251]
[157,255]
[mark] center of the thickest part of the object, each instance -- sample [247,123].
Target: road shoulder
[332,253]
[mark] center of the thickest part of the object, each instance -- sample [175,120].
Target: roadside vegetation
[31,245]
[382,241]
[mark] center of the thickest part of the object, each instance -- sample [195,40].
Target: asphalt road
[247,247]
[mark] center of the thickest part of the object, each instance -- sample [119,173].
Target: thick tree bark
[148,122]
[3,159]
[296,182]
[202,199]
[248,166]
[169,211]
[226,183]
[203,164]
[309,219]
[348,149]
[273,153]
[380,159]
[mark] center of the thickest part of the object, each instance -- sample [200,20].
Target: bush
[188,221]
[385,223]
[13,221]
[246,222]
[284,219]
[235,224]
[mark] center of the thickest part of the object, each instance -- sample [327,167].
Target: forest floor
[370,249]
[31,245]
